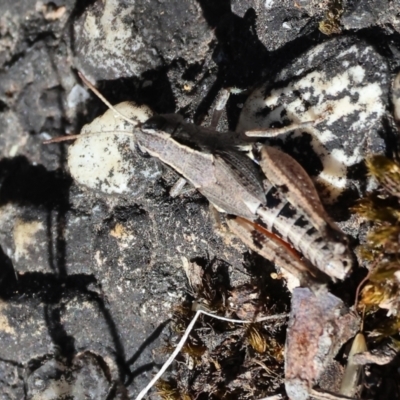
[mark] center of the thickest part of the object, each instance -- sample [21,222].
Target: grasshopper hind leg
[274,249]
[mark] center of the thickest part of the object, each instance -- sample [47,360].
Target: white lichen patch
[104,157]
[83,378]
[76,96]
[345,92]
[396,98]
[114,33]
[4,322]
[25,237]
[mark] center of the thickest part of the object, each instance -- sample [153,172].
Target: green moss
[381,250]
[331,23]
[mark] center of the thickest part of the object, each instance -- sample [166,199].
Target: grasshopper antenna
[61,139]
[105,101]
[90,85]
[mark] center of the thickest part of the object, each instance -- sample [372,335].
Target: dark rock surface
[89,282]
[115,39]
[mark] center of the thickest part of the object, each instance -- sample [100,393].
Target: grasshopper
[273,207]
[271,202]
[232,183]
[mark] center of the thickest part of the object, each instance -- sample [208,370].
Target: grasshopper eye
[167,123]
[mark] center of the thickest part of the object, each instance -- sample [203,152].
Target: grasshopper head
[166,123]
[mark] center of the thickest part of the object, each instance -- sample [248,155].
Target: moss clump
[222,360]
[331,23]
[381,250]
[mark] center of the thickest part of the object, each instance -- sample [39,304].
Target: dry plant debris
[222,360]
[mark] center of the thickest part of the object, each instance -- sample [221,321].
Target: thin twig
[374,264]
[171,358]
[181,343]
[242,321]
[328,396]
